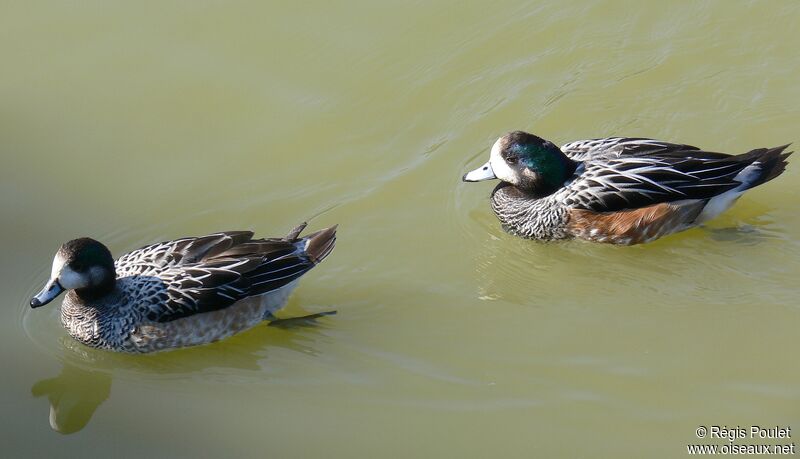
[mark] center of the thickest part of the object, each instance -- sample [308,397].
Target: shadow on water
[86,376]
[752,231]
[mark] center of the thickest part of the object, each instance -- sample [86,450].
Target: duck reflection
[76,393]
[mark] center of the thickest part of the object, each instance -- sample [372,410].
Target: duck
[617,190]
[185,292]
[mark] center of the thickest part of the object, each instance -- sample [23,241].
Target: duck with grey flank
[618,190]
[185,292]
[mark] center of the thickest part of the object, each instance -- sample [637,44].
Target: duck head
[527,162]
[83,265]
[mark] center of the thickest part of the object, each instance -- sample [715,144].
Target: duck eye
[512,159]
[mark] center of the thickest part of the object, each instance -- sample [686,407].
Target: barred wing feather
[213,272]
[639,181]
[610,147]
[155,258]
[219,283]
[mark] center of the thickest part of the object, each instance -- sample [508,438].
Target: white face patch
[71,280]
[67,277]
[58,264]
[501,169]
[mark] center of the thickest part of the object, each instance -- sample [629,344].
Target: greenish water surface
[135,122]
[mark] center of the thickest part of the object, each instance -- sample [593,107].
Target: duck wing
[615,147]
[629,182]
[151,260]
[213,272]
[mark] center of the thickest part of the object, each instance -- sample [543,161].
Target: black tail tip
[321,243]
[774,162]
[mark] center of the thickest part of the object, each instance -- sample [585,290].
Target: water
[135,123]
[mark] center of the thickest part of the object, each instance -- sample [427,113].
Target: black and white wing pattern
[218,283]
[609,183]
[616,147]
[213,272]
[154,259]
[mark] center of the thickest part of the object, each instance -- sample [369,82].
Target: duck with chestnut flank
[185,292]
[616,190]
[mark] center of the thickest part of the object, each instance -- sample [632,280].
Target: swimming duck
[185,292]
[617,190]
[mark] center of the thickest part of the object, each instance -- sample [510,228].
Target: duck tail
[771,163]
[295,232]
[320,244]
